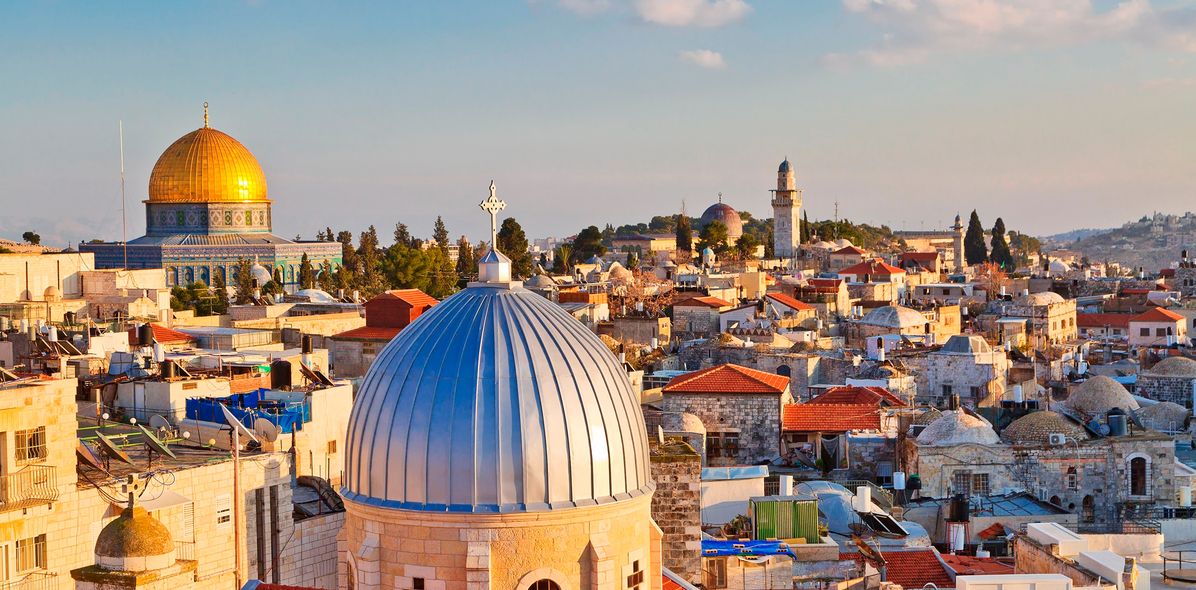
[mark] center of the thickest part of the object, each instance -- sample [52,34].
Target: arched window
[1056,501]
[1073,479]
[783,370]
[1139,476]
[544,585]
[1088,509]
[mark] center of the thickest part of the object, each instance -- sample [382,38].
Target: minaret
[958,228]
[786,213]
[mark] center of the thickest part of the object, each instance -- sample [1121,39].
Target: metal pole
[124,227]
[237,508]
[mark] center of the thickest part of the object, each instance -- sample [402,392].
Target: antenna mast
[124,226]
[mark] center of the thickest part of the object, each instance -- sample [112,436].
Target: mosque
[497,443]
[207,209]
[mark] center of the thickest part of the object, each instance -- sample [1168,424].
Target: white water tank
[1018,395]
[863,499]
[1185,496]
[898,480]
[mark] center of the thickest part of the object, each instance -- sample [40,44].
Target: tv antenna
[124,224]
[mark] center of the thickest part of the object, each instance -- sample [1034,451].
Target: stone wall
[978,379]
[1167,389]
[756,417]
[677,506]
[310,556]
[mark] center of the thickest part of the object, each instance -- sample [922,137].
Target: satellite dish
[266,429]
[157,422]
[87,456]
[154,444]
[236,424]
[109,449]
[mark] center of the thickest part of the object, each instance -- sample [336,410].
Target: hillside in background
[1152,242]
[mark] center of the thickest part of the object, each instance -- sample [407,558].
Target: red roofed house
[921,262]
[825,428]
[788,311]
[698,317]
[873,271]
[828,296]
[912,568]
[351,353]
[845,257]
[1158,327]
[1114,326]
[739,407]
[168,338]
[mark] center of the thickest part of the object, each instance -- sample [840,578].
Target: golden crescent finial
[205,113]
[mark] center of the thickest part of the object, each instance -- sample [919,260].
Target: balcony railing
[32,581]
[183,550]
[31,486]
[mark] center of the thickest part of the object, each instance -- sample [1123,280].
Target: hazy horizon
[1053,115]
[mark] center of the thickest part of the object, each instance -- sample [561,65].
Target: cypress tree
[1000,248]
[974,250]
[685,234]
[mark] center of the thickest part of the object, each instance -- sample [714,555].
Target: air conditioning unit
[1057,439]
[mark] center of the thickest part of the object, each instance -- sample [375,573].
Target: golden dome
[207,166]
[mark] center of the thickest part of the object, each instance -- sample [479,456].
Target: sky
[1052,114]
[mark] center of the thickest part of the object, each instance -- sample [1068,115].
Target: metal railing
[881,496]
[33,581]
[183,550]
[1177,566]
[31,486]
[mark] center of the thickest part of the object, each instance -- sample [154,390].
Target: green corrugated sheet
[785,518]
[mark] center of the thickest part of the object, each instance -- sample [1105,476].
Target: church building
[207,209]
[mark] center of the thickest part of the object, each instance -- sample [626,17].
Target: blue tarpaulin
[713,548]
[247,407]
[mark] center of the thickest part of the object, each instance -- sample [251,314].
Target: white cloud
[918,29]
[705,58]
[692,13]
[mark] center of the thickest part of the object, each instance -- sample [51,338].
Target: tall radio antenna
[124,227]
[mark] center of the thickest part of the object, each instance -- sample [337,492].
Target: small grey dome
[495,400]
[963,344]
[1036,428]
[1099,395]
[956,428]
[1166,416]
[1173,366]
[682,422]
[894,316]
[1040,299]
[540,282]
[928,417]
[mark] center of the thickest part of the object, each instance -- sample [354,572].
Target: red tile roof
[993,531]
[703,301]
[834,283]
[830,417]
[856,395]
[911,569]
[162,335]
[728,378]
[379,333]
[1158,314]
[966,565]
[790,302]
[849,250]
[876,268]
[920,256]
[412,297]
[1100,320]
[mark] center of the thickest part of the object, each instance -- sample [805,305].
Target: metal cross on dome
[132,489]
[493,205]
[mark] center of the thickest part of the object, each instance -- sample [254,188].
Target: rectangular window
[1144,332]
[962,483]
[946,390]
[31,445]
[417,584]
[636,578]
[716,573]
[31,554]
[976,393]
[1160,331]
[722,445]
[980,484]
[224,511]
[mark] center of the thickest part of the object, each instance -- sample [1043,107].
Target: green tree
[713,236]
[513,242]
[307,274]
[349,264]
[562,259]
[220,290]
[443,279]
[441,236]
[633,261]
[770,246]
[685,235]
[745,246]
[403,235]
[467,259]
[370,281]
[244,278]
[588,243]
[407,268]
[1000,254]
[198,298]
[804,233]
[32,238]
[974,250]
[327,277]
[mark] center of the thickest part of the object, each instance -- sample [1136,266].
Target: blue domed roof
[784,166]
[495,400]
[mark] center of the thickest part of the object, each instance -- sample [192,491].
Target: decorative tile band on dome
[495,401]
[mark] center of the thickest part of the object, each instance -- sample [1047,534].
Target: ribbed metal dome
[496,400]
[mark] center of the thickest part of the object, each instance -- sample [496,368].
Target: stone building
[830,297]
[497,443]
[933,325]
[677,506]
[1038,320]
[968,367]
[1172,379]
[698,317]
[845,428]
[1158,327]
[740,408]
[353,351]
[786,213]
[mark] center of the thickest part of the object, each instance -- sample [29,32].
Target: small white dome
[843,243]
[1041,299]
[1099,395]
[957,427]
[894,316]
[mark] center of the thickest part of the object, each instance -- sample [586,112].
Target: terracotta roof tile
[912,569]
[855,395]
[830,417]
[1157,314]
[1100,320]
[849,250]
[790,302]
[412,297]
[967,565]
[728,378]
[878,268]
[162,335]
[703,301]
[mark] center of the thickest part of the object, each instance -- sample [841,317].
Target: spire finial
[205,114]
[493,205]
[720,197]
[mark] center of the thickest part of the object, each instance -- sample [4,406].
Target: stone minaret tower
[958,228]
[786,213]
